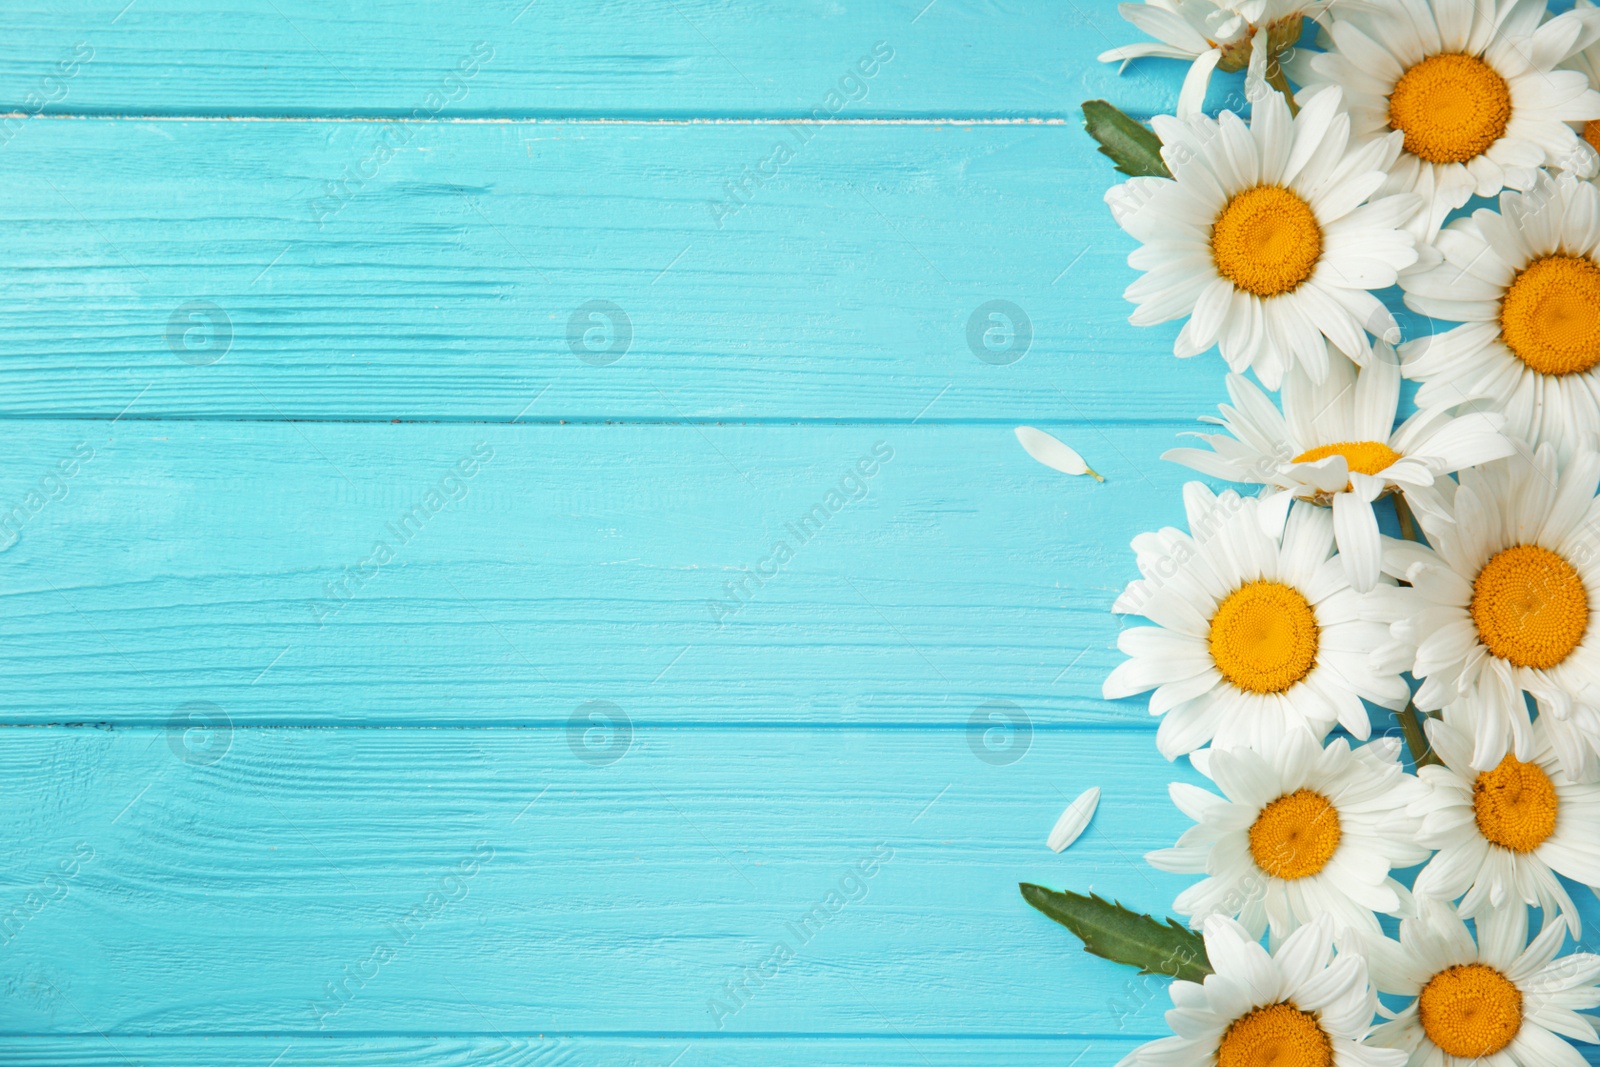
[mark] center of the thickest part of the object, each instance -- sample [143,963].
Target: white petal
[1075,819]
[1052,453]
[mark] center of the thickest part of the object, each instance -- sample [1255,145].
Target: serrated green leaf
[1131,145]
[1109,930]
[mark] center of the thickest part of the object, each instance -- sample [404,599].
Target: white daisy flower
[1337,444]
[1504,834]
[1264,236]
[1586,60]
[1471,84]
[1301,831]
[1258,633]
[1293,1008]
[1525,284]
[1501,1002]
[1212,35]
[1500,606]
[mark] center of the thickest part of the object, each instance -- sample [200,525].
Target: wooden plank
[478,882]
[240,564]
[235,272]
[590,57]
[789,1050]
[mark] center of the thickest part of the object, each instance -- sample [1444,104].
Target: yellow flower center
[1266,241]
[1295,836]
[1470,1010]
[1362,457]
[1264,637]
[1591,133]
[1515,805]
[1279,1035]
[1550,315]
[1450,107]
[1530,606]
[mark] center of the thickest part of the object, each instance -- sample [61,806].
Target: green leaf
[1109,930]
[1131,145]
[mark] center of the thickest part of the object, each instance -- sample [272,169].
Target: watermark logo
[391,138]
[999,332]
[599,733]
[450,889]
[199,332]
[450,489]
[850,488]
[999,733]
[200,733]
[851,887]
[50,888]
[599,333]
[852,86]
[50,89]
[51,486]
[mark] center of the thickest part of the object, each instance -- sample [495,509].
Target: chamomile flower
[1500,606]
[1504,834]
[1525,284]
[1258,633]
[1337,444]
[1301,831]
[1265,237]
[1472,86]
[1297,1007]
[1212,35]
[1587,62]
[1501,1002]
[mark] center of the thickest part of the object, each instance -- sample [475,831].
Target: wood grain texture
[641,58]
[447,285]
[489,881]
[790,1050]
[512,794]
[336,573]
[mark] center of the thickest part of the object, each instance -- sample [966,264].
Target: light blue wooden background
[188,897]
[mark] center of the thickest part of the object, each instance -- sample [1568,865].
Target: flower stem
[1408,523]
[1279,81]
[1422,754]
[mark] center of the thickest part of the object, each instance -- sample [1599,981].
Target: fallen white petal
[1075,819]
[1052,453]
